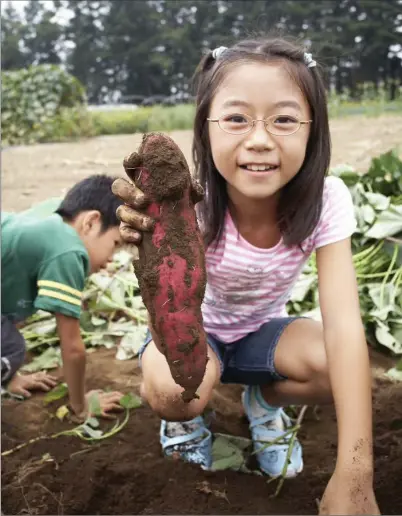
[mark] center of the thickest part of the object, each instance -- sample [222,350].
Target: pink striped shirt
[247,286]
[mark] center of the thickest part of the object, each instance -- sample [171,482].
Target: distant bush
[34,103]
[143,119]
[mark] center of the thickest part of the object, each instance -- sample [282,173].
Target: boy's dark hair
[300,202]
[92,193]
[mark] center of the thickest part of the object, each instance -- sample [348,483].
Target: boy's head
[90,207]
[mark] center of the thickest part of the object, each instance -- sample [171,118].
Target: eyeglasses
[279,125]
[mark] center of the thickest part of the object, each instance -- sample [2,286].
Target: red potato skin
[171,266]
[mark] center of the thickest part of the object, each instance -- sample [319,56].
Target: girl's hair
[300,200]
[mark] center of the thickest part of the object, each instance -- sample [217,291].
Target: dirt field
[35,173]
[127,474]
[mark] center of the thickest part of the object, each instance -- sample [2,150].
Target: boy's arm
[74,361]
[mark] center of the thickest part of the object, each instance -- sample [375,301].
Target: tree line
[131,49]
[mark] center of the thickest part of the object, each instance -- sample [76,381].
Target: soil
[127,474]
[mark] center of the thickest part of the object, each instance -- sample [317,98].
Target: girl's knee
[166,401]
[164,395]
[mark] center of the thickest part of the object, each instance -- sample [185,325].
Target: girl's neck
[255,220]
[255,212]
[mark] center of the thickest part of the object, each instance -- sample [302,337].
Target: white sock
[259,408]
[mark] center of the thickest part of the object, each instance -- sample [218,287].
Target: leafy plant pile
[114,314]
[34,102]
[377,252]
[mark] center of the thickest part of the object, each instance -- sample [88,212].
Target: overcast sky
[62,16]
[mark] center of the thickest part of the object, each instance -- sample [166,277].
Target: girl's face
[258,90]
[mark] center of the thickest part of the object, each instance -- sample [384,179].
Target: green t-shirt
[44,266]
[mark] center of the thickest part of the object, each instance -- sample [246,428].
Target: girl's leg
[164,395]
[300,356]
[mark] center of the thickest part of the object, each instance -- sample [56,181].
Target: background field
[34,173]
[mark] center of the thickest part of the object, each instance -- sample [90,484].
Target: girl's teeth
[256,168]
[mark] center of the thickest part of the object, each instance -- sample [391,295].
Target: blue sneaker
[189,440]
[266,427]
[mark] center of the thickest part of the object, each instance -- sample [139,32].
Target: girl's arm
[350,376]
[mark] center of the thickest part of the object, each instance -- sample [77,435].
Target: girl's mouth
[259,168]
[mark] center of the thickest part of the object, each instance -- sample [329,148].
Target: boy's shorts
[249,360]
[12,349]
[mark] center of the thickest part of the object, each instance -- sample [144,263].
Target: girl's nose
[259,138]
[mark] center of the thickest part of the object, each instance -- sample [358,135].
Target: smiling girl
[262,153]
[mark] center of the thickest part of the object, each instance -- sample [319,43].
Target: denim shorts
[249,360]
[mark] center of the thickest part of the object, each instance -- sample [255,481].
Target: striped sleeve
[338,220]
[60,285]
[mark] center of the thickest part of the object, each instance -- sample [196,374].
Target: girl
[262,152]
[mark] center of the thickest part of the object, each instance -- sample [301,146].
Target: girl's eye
[235,119]
[284,119]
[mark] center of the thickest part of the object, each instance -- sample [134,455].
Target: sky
[62,16]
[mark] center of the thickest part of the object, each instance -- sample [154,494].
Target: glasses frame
[252,123]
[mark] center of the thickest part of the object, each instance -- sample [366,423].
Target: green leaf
[88,430]
[131,342]
[378,201]
[388,223]
[49,359]
[130,401]
[94,405]
[92,422]
[228,452]
[394,374]
[57,393]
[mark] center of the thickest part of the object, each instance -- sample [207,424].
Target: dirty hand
[107,402]
[349,494]
[133,220]
[23,384]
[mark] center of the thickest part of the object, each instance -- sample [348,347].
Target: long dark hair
[300,201]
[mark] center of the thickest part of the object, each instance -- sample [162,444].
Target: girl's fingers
[134,219]
[128,193]
[129,235]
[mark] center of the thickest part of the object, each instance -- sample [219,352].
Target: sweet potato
[171,266]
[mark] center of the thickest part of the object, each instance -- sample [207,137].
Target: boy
[45,261]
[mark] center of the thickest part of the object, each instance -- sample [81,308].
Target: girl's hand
[133,220]
[24,384]
[349,494]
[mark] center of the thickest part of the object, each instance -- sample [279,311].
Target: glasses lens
[235,123]
[282,124]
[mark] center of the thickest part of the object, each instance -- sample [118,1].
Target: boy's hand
[108,402]
[23,384]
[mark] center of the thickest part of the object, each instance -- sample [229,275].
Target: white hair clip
[216,54]
[308,59]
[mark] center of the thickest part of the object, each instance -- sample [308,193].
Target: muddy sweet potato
[171,266]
